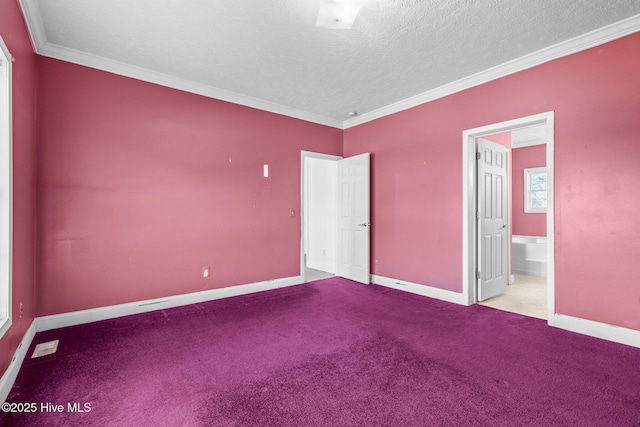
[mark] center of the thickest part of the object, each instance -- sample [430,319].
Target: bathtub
[529,255]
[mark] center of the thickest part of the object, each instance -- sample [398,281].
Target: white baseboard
[424,290]
[11,373]
[596,329]
[55,321]
[574,324]
[540,271]
[582,326]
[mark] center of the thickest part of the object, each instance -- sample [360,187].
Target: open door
[493,230]
[353,218]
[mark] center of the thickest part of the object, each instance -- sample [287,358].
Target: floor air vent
[45,348]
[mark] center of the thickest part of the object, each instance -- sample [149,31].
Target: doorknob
[365,224]
[503,226]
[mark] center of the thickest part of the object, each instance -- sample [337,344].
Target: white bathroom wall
[321,214]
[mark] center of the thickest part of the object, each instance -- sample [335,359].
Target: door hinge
[478,156]
[477,215]
[478,275]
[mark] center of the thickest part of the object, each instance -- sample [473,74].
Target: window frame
[6,188]
[528,172]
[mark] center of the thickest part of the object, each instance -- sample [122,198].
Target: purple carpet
[328,353]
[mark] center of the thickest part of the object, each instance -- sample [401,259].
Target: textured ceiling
[271,52]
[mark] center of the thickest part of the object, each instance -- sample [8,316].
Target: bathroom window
[535,190]
[5,188]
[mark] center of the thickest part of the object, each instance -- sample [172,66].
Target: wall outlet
[292,213]
[205,271]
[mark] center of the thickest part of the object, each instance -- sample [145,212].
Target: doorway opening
[525,202]
[318,215]
[530,250]
[335,217]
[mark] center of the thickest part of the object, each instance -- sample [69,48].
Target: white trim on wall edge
[31,12]
[596,329]
[55,321]
[577,44]
[530,143]
[10,375]
[105,64]
[590,328]
[424,290]
[603,331]
[33,17]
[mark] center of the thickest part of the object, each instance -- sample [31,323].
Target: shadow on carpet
[376,382]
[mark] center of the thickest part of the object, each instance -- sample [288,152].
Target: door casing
[469,187]
[303,234]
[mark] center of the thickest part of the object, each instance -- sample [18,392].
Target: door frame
[303,235]
[469,188]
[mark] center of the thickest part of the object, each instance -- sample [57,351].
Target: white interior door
[353,218]
[493,230]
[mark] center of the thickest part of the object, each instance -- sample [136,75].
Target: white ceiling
[270,55]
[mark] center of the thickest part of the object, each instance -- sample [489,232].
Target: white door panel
[493,230]
[354,218]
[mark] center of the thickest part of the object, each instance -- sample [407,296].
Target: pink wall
[416,178]
[14,34]
[136,191]
[503,138]
[143,185]
[526,224]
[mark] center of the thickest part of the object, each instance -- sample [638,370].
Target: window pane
[539,181]
[538,199]
[539,204]
[538,195]
[5,188]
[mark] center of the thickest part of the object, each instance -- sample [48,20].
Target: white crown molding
[594,38]
[33,18]
[10,375]
[41,46]
[577,44]
[93,61]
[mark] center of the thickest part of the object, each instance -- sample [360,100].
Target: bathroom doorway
[529,147]
[526,292]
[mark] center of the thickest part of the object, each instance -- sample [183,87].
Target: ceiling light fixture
[338,14]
